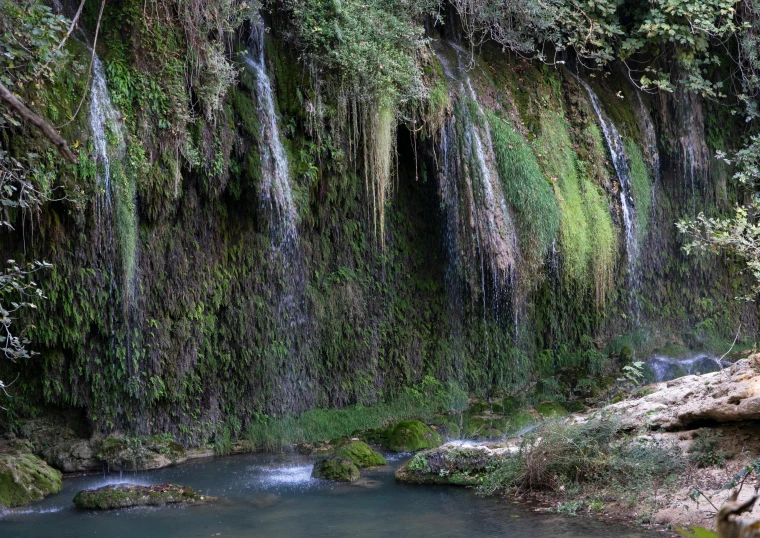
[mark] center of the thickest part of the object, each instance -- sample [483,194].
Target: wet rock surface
[129,495]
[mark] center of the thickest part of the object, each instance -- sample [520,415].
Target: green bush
[592,453]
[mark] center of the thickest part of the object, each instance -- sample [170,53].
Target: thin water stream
[275,496]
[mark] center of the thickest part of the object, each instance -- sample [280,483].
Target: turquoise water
[271,496]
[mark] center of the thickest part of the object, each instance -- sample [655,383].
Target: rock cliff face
[215,268]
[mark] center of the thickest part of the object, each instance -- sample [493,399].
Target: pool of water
[271,496]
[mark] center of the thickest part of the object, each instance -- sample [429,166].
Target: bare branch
[27,115]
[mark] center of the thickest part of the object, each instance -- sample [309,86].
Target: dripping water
[620,163]
[275,185]
[287,265]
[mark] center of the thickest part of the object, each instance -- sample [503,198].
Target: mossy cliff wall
[178,306]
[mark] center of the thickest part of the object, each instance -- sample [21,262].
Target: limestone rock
[25,478]
[336,468]
[360,454]
[141,454]
[729,396]
[454,464]
[128,495]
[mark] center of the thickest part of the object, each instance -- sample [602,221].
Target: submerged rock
[336,468]
[25,478]
[360,454]
[411,436]
[128,495]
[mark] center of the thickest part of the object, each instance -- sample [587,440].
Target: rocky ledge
[128,495]
[731,395]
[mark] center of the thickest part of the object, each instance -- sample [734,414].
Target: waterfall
[620,163]
[489,217]
[650,137]
[103,116]
[285,269]
[481,240]
[275,186]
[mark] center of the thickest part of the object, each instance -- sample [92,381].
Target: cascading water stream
[620,163]
[474,203]
[275,186]
[286,266]
[103,116]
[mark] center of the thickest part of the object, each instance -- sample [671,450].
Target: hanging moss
[641,186]
[527,189]
[556,153]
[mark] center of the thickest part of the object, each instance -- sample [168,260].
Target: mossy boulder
[411,436]
[453,465]
[360,454]
[551,410]
[128,495]
[141,453]
[336,468]
[25,478]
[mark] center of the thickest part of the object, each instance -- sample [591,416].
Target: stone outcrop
[128,495]
[456,464]
[731,395]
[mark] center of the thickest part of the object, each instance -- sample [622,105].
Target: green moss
[336,468]
[528,191]
[411,436]
[116,496]
[24,478]
[360,454]
[551,410]
[641,186]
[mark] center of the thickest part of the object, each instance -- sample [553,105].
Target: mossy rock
[373,436]
[128,495]
[360,454]
[411,436]
[551,410]
[25,478]
[456,466]
[336,468]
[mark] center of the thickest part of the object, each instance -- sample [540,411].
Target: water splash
[274,477]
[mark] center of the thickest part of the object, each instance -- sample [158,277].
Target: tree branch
[27,115]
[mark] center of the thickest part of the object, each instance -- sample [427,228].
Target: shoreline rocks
[25,478]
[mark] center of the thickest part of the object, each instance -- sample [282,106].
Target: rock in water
[25,478]
[453,464]
[360,454]
[411,436]
[336,468]
[128,495]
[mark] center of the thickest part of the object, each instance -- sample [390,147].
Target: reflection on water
[268,496]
